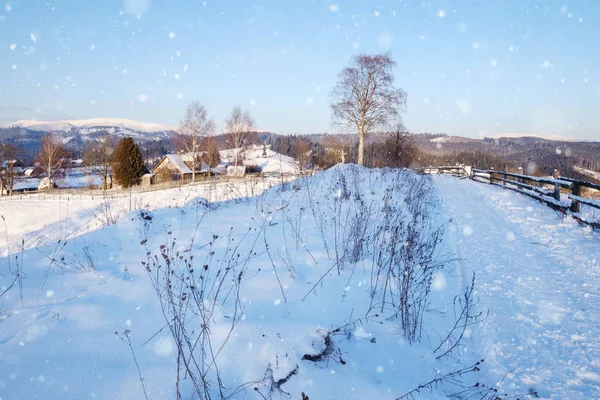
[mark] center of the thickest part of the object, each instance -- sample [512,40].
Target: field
[353,283]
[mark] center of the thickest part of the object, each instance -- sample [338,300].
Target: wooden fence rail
[560,193]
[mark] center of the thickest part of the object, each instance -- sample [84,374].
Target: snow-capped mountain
[65,126]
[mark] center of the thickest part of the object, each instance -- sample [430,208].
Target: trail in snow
[539,276]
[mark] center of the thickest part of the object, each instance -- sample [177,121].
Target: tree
[128,163]
[98,156]
[8,161]
[52,156]
[240,130]
[301,151]
[210,152]
[338,149]
[397,150]
[365,97]
[195,126]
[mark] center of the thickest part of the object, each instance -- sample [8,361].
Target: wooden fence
[73,193]
[559,192]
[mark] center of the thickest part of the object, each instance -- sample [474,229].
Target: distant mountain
[154,139]
[65,126]
[556,138]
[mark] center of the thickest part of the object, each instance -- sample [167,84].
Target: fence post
[491,175]
[520,172]
[575,205]
[556,186]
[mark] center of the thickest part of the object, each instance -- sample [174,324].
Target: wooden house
[174,167]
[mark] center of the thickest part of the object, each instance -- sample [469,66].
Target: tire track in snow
[539,276]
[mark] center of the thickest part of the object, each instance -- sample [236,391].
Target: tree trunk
[361,148]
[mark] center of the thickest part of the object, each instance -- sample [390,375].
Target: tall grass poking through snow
[385,220]
[194,295]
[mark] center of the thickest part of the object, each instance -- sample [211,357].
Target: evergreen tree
[128,163]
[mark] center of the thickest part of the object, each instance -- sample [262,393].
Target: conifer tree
[128,163]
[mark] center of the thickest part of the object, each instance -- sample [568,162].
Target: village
[171,169]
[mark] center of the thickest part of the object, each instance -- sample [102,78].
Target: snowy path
[539,276]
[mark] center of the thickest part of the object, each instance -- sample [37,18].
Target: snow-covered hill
[64,126]
[266,159]
[296,290]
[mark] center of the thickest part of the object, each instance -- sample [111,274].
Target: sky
[470,67]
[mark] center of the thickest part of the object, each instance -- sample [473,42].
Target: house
[147,179]
[174,167]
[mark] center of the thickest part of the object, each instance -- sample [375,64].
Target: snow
[588,172]
[48,126]
[60,342]
[41,218]
[539,276]
[536,273]
[273,162]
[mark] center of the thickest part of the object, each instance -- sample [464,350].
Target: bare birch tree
[98,156]
[52,155]
[195,126]
[365,97]
[240,130]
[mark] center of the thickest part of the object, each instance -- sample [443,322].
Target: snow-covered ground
[37,219]
[539,276]
[289,251]
[588,172]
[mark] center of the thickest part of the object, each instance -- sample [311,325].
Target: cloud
[136,7]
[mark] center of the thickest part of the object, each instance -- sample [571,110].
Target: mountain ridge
[67,125]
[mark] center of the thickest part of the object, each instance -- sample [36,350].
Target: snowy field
[296,289]
[37,219]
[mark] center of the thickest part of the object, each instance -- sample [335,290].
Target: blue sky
[470,67]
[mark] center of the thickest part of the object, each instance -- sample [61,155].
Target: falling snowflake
[334,8]
[172,35]
[33,37]
[143,98]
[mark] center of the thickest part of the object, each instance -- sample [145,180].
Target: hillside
[300,292]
